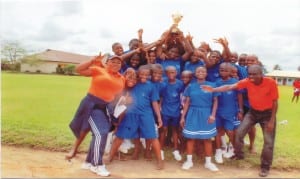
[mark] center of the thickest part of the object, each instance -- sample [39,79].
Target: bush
[6,66]
[69,69]
[59,70]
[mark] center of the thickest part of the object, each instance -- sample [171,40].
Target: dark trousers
[250,119]
[100,126]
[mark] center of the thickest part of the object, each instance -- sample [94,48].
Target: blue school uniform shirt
[199,97]
[177,63]
[126,66]
[227,101]
[158,86]
[242,71]
[213,72]
[192,66]
[171,98]
[143,94]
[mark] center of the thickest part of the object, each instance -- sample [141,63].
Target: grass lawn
[37,109]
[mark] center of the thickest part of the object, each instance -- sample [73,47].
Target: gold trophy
[174,33]
[176,17]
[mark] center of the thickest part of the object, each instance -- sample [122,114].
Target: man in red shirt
[296,85]
[263,97]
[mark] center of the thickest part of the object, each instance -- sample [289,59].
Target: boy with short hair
[170,109]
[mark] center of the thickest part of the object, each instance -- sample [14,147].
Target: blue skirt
[196,124]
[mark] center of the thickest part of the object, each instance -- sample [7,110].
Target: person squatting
[172,95]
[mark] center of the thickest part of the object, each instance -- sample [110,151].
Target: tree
[277,67]
[32,60]
[12,52]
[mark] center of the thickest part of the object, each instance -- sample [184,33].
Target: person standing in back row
[263,98]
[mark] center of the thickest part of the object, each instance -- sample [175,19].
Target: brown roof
[61,56]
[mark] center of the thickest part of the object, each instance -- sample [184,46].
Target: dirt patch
[29,163]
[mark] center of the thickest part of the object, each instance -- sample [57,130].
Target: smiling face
[157,75]
[117,49]
[251,60]
[135,61]
[171,73]
[224,71]
[186,77]
[143,75]
[114,65]
[152,57]
[255,74]
[201,73]
[173,53]
[214,57]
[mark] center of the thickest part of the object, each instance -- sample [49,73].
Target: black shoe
[263,172]
[235,157]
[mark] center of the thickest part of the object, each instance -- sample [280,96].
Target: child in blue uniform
[156,79]
[198,118]
[170,109]
[228,109]
[139,118]
[173,56]
[195,62]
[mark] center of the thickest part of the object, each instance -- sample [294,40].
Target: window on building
[279,79]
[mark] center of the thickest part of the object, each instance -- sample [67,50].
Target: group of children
[163,92]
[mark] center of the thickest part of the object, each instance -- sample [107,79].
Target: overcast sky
[268,28]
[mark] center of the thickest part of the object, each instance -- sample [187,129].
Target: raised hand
[100,59]
[222,41]
[140,34]
[205,46]
[189,37]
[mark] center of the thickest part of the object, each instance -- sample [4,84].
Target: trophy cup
[176,17]
[175,34]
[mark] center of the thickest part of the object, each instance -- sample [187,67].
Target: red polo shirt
[260,96]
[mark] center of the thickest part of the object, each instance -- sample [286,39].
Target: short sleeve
[242,84]
[187,91]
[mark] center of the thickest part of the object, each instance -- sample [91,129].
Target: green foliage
[12,51]
[69,69]
[37,109]
[7,66]
[32,60]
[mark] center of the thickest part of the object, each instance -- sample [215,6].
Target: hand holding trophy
[174,35]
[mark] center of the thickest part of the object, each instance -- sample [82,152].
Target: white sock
[207,159]
[218,151]
[162,154]
[223,141]
[189,158]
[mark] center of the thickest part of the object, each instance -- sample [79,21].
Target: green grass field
[37,109]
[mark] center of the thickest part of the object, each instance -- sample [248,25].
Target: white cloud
[267,28]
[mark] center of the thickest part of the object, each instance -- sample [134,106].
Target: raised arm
[226,54]
[204,49]
[84,67]
[187,47]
